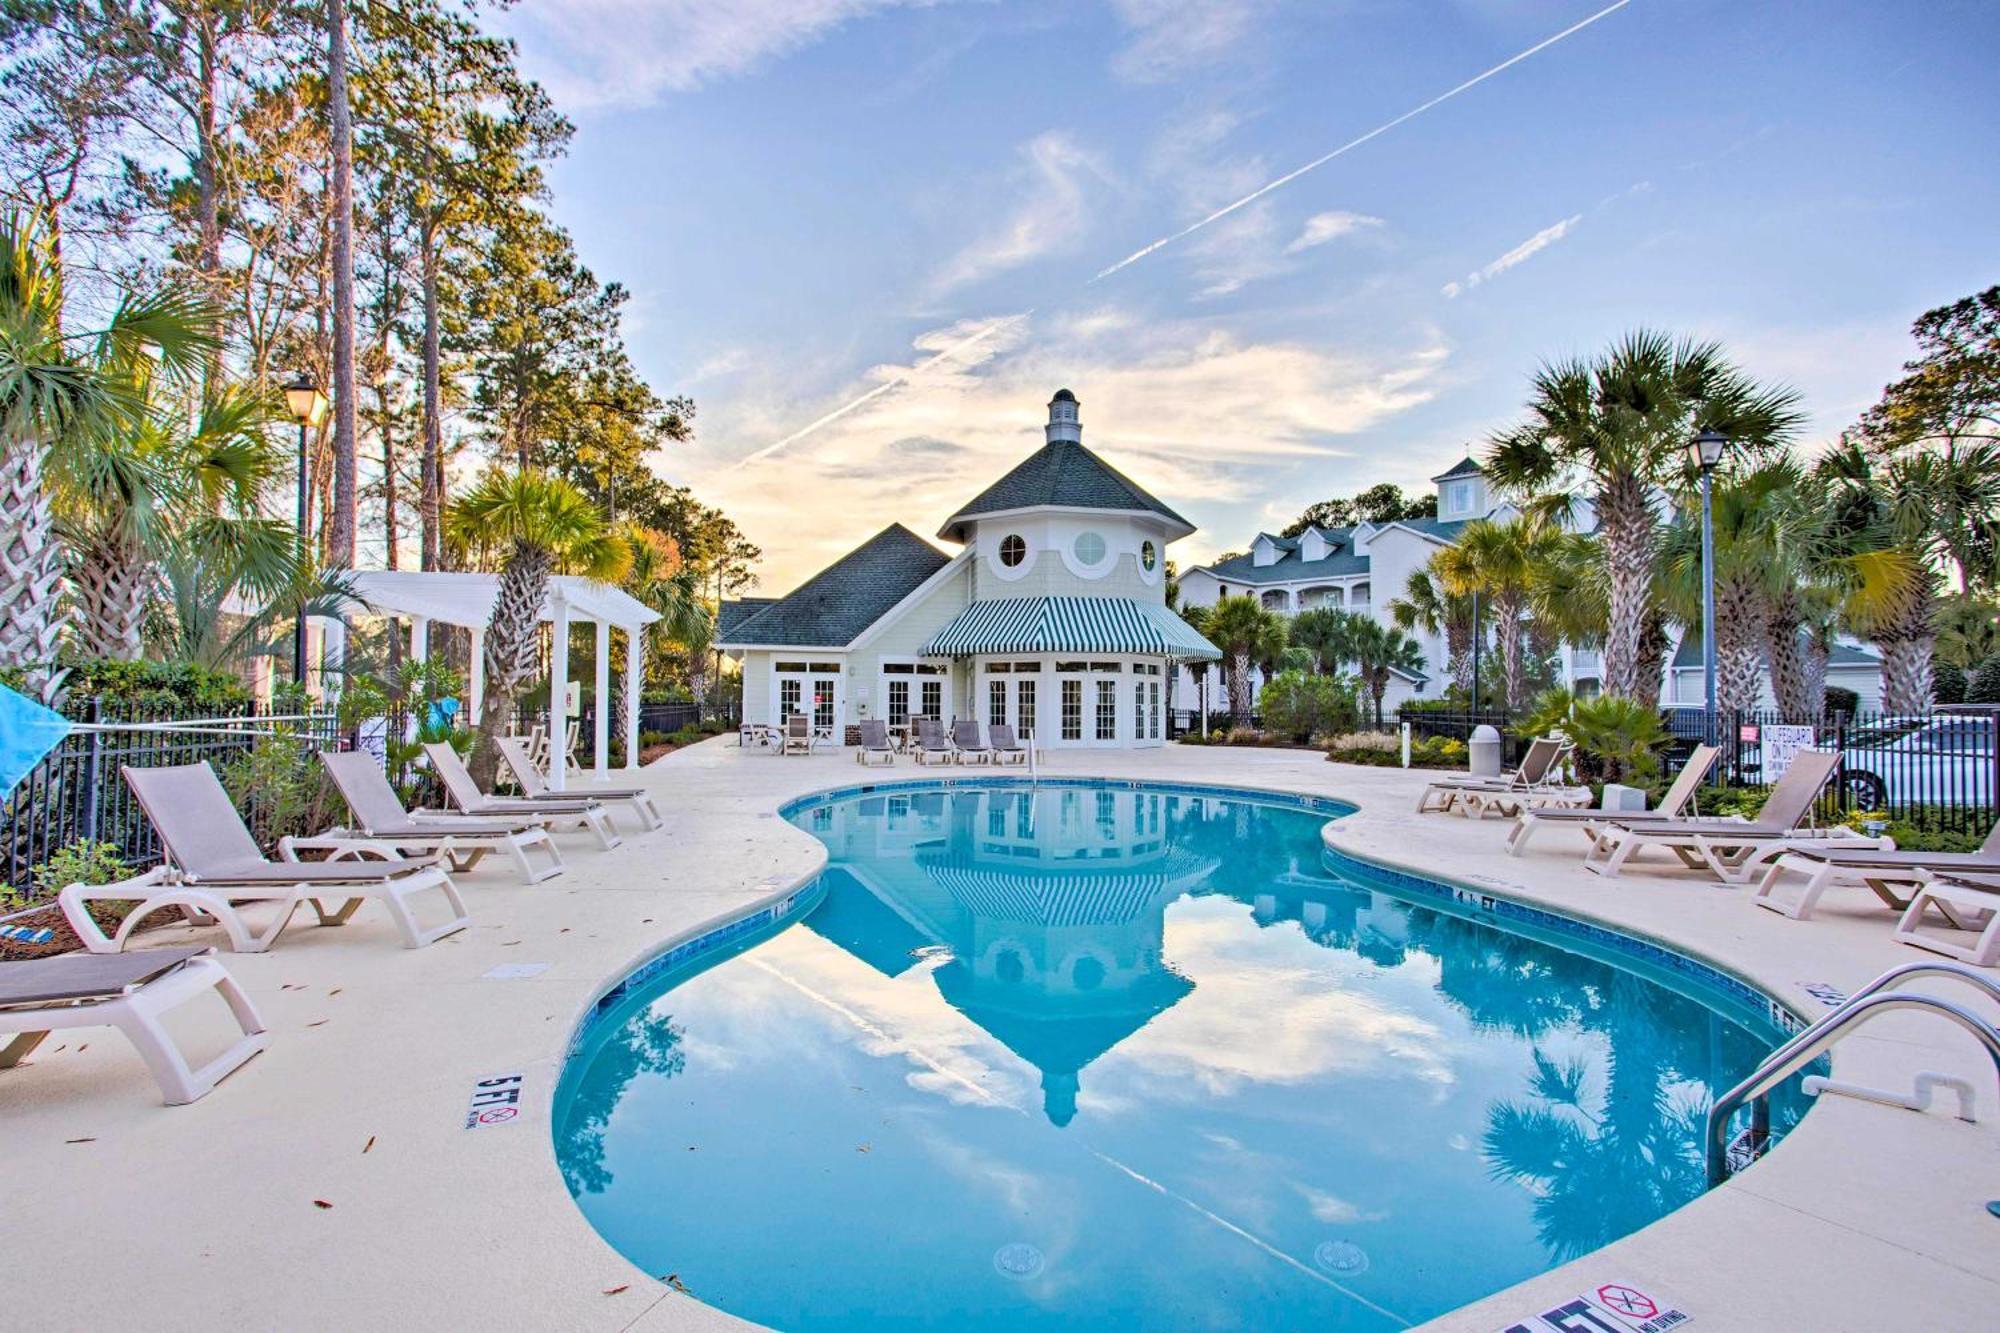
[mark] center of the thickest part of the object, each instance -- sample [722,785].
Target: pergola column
[635,678]
[420,639]
[600,693]
[558,691]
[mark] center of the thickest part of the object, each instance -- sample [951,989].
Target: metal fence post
[93,757]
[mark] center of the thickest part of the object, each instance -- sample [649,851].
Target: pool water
[1133,1057]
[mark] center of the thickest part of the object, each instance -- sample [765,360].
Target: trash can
[1483,761]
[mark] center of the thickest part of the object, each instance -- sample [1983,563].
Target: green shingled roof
[1062,474]
[1340,561]
[833,606]
[1465,467]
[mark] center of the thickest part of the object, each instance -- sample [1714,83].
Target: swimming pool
[1125,1054]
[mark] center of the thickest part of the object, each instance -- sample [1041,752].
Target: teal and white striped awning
[1070,625]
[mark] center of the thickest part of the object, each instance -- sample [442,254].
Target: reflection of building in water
[1338,914]
[1052,903]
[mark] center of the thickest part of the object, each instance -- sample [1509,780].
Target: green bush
[1840,699]
[1984,688]
[1383,750]
[1948,683]
[1297,706]
[81,862]
[155,686]
[282,789]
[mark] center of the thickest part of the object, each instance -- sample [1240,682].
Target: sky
[870,238]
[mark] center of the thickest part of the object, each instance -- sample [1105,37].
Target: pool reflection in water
[1100,1054]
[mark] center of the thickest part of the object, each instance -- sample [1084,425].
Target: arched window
[1013,549]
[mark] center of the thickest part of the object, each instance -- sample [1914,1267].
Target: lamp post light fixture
[1705,451]
[307,406]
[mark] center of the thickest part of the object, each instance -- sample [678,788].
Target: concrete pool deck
[121,1212]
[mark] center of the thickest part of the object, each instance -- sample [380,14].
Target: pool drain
[1343,1257]
[1019,1261]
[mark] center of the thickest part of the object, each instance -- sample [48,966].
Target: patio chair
[1967,902]
[553,815]
[798,737]
[1007,748]
[1877,871]
[1538,767]
[966,741]
[931,745]
[536,788]
[875,743]
[1686,783]
[1734,849]
[133,993]
[460,839]
[215,863]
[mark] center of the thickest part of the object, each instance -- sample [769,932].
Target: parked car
[1943,759]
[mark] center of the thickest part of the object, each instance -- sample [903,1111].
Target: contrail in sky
[1352,144]
[1220,213]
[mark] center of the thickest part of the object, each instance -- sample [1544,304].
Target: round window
[1088,548]
[1149,556]
[1013,550]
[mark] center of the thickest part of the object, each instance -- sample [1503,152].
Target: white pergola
[466,600]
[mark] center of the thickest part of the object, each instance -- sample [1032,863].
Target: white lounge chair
[798,737]
[1685,784]
[1881,872]
[1538,767]
[1966,902]
[1733,850]
[875,744]
[967,744]
[536,788]
[553,815]
[1007,748]
[460,839]
[133,993]
[214,863]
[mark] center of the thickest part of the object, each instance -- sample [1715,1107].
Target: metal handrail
[1810,1044]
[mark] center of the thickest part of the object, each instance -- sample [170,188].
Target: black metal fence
[1936,770]
[76,794]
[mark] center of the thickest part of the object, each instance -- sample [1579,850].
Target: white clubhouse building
[1051,617]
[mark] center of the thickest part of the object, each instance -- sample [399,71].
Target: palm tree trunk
[1507,628]
[1906,641]
[108,588]
[511,657]
[1652,664]
[341,530]
[1818,651]
[31,616]
[1625,526]
[1783,619]
[1739,645]
[430,503]
[1239,689]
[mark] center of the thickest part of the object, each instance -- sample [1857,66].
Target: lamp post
[1475,651]
[307,405]
[1705,451]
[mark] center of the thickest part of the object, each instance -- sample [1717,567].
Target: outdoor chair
[1878,871]
[875,743]
[798,737]
[215,863]
[1686,783]
[552,815]
[536,788]
[1538,768]
[1966,902]
[1007,748]
[460,839]
[931,745]
[133,993]
[966,742]
[1733,849]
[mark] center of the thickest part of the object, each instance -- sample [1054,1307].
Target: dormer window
[1312,546]
[1264,551]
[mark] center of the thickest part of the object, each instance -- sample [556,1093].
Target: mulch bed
[107,914]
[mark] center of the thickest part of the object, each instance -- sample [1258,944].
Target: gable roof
[1687,657]
[1340,561]
[835,605]
[1465,467]
[1061,474]
[737,610]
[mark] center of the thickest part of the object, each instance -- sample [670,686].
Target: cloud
[1331,226]
[1052,214]
[611,53]
[1172,37]
[1332,1209]
[1519,255]
[1195,415]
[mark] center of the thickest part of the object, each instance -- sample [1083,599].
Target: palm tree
[223,563]
[1751,511]
[1248,635]
[124,502]
[1887,509]
[1197,619]
[660,580]
[56,387]
[1323,633]
[1498,561]
[1616,429]
[1427,606]
[537,525]
[1379,652]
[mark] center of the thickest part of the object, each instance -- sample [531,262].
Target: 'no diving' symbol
[1626,1301]
[499,1115]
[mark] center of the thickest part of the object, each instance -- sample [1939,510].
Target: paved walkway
[120,1213]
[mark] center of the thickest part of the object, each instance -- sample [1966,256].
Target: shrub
[1298,707]
[282,789]
[155,687]
[1617,740]
[1383,750]
[1948,683]
[1840,699]
[1984,687]
[81,862]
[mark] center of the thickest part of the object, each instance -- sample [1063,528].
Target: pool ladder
[1871,1000]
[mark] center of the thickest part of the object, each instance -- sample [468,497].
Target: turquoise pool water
[1133,1058]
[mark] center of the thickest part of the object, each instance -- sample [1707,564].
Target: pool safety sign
[1615,1307]
[495,1101]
